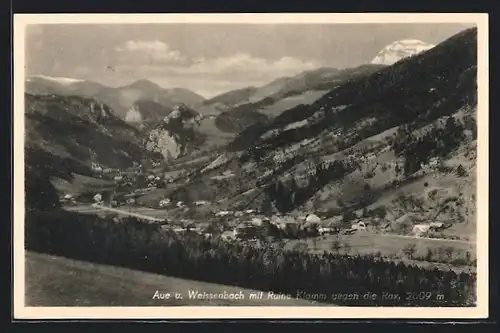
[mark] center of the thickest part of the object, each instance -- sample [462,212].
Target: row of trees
[149,248]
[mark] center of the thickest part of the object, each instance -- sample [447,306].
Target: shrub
[461,171]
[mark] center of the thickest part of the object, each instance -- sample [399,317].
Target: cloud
[158,60]
[148,51]
[247,63]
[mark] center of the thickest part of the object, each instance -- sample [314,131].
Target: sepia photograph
[251,165]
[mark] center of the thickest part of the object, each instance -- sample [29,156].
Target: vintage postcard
[251,166]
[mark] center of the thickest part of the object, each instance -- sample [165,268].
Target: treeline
[147,247]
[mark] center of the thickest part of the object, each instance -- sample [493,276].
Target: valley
[372,167]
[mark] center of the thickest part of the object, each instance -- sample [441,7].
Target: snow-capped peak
[400,49]
[60,80]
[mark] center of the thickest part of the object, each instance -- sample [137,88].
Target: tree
[336,246]
[315,243]
[429,256]
[461,171]
[410,250]
[468,256]
[448,251]
[347,248]
[365,212]
[348,216]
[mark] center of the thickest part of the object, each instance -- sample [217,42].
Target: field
[57,281]
[389,246]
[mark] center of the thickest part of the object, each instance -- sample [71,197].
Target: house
[312,218]
[256,221]
[327,230]
[67,197]
[358,226]
[98,198]
[227,236]
[421,229]
[164,202]
[223,213]
[96,167]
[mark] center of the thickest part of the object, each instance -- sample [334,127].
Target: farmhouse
[164,202]
[256,221]
[327,230]
[98,198]
[420,229]
[312,218]
[358,226]
[223,213]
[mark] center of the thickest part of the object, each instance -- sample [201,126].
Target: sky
[210,59]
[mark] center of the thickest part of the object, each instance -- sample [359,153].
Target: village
[125,199]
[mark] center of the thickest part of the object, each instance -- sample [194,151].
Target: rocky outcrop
[175,135]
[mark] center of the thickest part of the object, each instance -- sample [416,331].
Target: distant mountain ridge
[283,94]
[120,99]
[323,78]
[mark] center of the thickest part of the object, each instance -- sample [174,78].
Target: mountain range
[372,129]
[367,143]
[121,99]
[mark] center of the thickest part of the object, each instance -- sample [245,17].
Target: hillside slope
[58,281]
[81,130]
[402,135]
